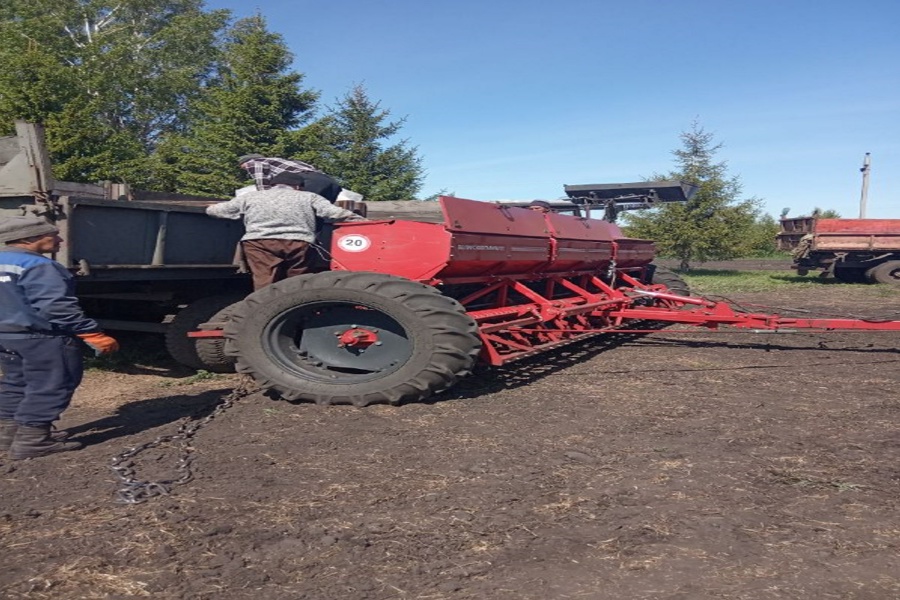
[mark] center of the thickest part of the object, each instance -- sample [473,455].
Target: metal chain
[135,490]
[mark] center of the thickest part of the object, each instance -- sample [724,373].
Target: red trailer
[408,308]
[851,250]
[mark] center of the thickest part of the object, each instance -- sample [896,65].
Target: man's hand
[100,342]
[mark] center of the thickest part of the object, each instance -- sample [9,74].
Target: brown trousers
[272,260]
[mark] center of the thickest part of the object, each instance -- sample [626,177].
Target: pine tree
[106,78]
[349,144]
[713,225]
[252,105]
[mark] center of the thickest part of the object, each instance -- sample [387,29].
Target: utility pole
[867,165]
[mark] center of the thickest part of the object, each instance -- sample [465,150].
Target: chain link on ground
[135,490]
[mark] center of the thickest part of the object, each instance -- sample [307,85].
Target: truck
[142,261]
[850,250]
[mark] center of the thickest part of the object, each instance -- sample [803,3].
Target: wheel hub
[357,337]
[328,340]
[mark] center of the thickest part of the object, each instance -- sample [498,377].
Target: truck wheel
[184,349]
[211,351]
[671,280]
[352,338]
[886,272]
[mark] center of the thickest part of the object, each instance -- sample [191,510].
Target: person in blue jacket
[40,324]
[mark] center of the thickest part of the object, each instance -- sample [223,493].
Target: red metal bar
[720,313]
[206,333]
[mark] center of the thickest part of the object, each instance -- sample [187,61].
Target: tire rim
[337,342]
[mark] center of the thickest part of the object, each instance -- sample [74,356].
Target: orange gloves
[100,342]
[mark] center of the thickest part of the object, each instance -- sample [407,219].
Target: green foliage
[825,214]
[107,78]
[759,239]
[719,281]
[251,104]
[350,144]
[164,95]
[715,224]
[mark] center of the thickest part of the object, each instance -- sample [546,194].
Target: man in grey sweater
[280,225]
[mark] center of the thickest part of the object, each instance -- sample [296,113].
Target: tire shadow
[489,380]
[136,417]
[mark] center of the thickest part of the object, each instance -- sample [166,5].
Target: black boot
[7,433]
[8,429]
[33,442]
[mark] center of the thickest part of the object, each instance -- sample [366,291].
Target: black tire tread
[886,272]
[671,280]
[182,348]
[456,344]
[211,351]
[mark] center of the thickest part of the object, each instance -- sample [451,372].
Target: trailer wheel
[211,351]
[886,272]
[671,280]
[184,349]
[352,338]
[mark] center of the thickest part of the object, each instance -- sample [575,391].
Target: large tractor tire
[352,338]
[887,272]
[671,280]
[185,350]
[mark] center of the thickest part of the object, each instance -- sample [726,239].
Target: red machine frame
[535,280]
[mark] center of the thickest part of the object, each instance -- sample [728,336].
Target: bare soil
[667,466]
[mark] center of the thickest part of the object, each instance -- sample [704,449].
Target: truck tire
[211,351]
[671,280]
[887,272]
[352,338]
[184,349]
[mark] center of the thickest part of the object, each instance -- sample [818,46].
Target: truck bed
[841,235]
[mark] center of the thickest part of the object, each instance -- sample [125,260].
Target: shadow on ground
[135,417]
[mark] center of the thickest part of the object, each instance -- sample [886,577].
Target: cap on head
[18,228]
[246,157]
[287,178]
[349,195]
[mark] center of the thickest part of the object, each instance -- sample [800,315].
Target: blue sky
[512,99]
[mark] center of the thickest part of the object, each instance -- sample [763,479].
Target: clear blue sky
[512,99]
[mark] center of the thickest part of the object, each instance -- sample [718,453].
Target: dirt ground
[669,466]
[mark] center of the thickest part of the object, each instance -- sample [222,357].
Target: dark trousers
[40,375]
[273,260]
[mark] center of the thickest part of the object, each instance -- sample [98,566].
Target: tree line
[165,94]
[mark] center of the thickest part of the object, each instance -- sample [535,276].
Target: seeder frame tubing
[513,331]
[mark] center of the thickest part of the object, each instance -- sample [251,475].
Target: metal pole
[867,163]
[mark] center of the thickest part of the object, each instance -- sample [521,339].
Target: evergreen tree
[759,240]
[349,144]
[251,105]
[714,224]
[106,78]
